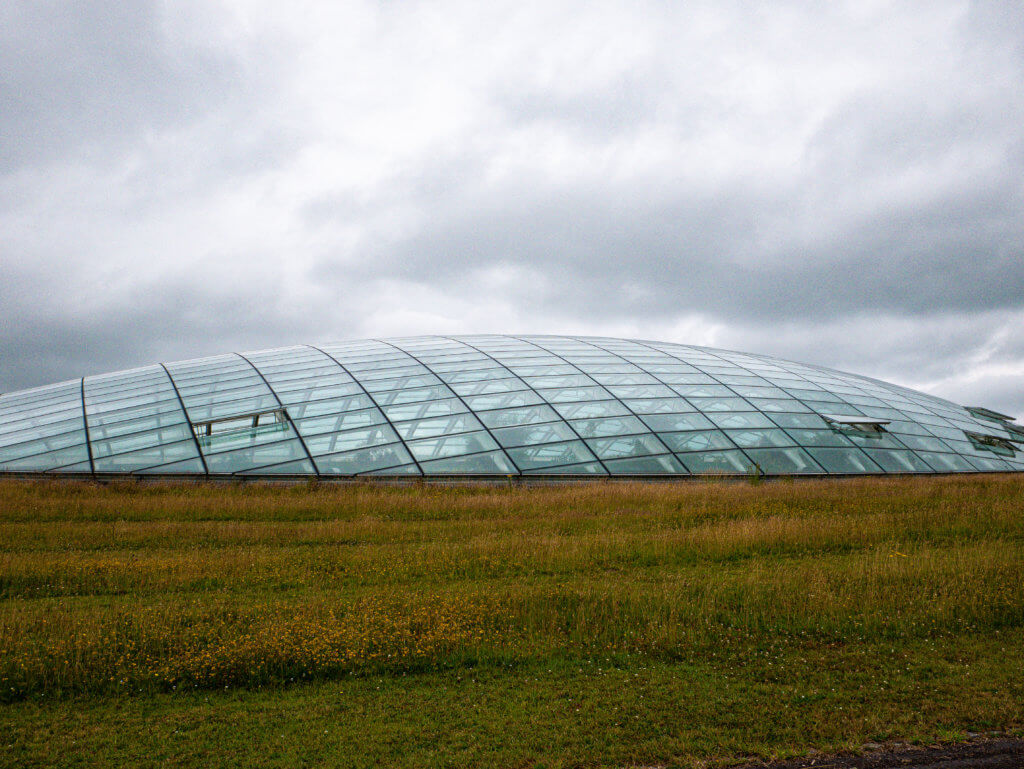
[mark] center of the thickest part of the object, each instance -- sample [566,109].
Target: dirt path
[998,753]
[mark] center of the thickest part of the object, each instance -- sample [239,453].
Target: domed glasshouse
[497,406]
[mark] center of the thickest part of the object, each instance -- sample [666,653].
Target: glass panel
[755,391]
[412,396]
[588,468]
[492,463]
[719,404]
[135,441]
[301,467]
[25,422]
[332,443]
[799,421]
[562,380]
[189,466]
[946,433]
[401,383]
[844,461]
[759,438]
[521,416]
[898,461]
[663,465]
[392,377]
[874,440]
[555,367]
[988,464]
[118,413]
[549,432]
[658,405]
[739,420]
[220,410]
[814,395]
[925,418]
[631,446]
[318,393]
[564,395]
[400,470]
[451,445]
[681,379]
[701,440]
[506,400]
[610,368]
[69,389]
[586,409]
[364,461]
[778,404]
[42,445]
[477,375]
[154,455]
[829,407]
[47,461]
[907,428]
[742,381]
[487,387]
[819,437]
[704,391]
[213,392]
[923,443]
[624,379]
[717,367]
[255,456]
[641,391]
[863,400]
[882,413]
[946,463]
[320,408]
[599,428]
[783,461]
[434,426]
[715,462]
[27,432]
[425,409]
[116,404]
[307,370]
[550,454]
[348,420]
[674,422]
[136,424]
[78,467]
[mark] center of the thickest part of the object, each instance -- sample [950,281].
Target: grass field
[595,624]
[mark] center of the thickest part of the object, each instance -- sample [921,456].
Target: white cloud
[840,184]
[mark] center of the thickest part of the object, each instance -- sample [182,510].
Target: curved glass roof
[495,405]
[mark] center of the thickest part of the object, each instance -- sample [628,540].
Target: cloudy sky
[837,183]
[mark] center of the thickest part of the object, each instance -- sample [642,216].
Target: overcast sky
[835,183]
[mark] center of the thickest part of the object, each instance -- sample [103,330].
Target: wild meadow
[590,624]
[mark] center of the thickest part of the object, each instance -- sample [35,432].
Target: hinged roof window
[984,413]
[254,423]
[856,422]
[994,443]
[1016,432]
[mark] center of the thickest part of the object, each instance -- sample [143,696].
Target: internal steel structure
[494,406]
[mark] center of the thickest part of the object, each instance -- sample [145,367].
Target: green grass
[585,625]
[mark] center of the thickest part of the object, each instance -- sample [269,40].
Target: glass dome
[497,406]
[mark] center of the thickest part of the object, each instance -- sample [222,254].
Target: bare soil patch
[997,753]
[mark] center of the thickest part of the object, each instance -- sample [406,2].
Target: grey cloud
[80,79]
[700,254]
[164,322]
[876,229]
